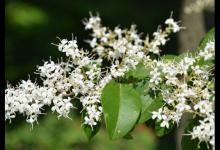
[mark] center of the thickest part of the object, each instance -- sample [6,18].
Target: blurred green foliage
[67,134]
[25,16]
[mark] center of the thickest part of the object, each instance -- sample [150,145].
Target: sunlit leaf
[122,107]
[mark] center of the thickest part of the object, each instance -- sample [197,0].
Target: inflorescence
[113,53]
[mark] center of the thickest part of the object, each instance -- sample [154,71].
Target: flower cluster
[186,85]
[28,99]
[205,131]
[85,73]
[198,6]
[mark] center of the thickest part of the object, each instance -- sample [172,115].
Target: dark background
[31,26]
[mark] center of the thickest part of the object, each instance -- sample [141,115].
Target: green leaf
[88,130]
[203,62]
[192,144]
[154,106]
[140,72]
[149,104]
[121,107]
[90,133]
[209,36]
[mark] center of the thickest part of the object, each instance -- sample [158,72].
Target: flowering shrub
[124,78]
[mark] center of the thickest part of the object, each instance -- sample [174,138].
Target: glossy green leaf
[209,36]
[121,107]
[140,72]
[148,104]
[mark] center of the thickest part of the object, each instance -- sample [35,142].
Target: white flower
[205,131]
[62,44]
[181,107]
[208,52]
[173,24]
[118,31]
[176,116]
[93,43]
[157,115]
[204,106]
[165,122]
[92,23]
[160,37]
[90,121]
